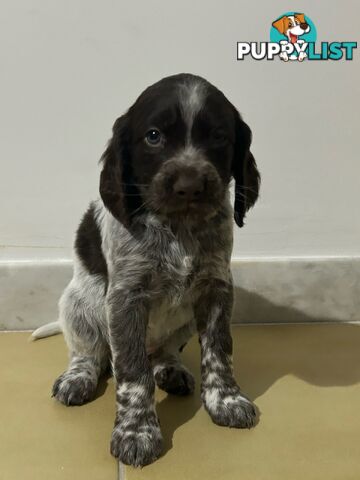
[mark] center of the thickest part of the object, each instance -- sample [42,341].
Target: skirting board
[267,290]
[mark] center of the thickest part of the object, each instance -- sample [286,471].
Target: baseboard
[267,290]
[297,290]
[29,292]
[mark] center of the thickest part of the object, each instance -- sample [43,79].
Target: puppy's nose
[188,187]
[304,26]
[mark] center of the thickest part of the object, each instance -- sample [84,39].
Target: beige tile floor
[305,380]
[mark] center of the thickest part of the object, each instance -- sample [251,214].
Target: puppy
[152,262]
[292,26]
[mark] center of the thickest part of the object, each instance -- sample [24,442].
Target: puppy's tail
[47,330]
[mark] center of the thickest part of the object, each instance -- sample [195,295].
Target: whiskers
[240,193]
[144,204]
[132,184]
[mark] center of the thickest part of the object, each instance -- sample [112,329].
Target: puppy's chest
[164,320]
[174,293]
[176,272]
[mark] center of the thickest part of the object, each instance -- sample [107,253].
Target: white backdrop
[69,68]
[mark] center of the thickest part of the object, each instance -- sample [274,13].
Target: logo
[293,31]
[293,38]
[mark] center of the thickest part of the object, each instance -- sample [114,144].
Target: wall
[68,69]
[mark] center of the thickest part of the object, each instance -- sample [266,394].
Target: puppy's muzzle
[181,185]
[189,186]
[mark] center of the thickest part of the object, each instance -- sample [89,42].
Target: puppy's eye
[219,136]
[153,137]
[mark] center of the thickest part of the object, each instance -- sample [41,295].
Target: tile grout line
[121,471]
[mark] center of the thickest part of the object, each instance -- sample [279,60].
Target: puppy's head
[292,26]
[174,153]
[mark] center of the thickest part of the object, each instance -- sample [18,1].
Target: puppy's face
[173,153]
[182,148]
[292,26]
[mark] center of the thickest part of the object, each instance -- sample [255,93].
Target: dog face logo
[291,27]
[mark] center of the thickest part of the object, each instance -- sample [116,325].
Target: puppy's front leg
[221,395]
[136,438]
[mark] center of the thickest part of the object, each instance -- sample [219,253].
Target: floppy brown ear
[281,24]
[118,192]
[245,172]
[300,17]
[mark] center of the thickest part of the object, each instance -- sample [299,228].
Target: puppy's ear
[245,172]
[281,25]
[120,196]
[300,17]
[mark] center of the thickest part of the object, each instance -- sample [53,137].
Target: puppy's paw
[175,379]
[74,388]
[136,445]
[302,56]
[229,408]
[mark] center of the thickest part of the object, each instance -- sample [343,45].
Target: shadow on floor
[324,356]
[103,384]
[174,412]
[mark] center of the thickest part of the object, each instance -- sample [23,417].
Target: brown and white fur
[152,262]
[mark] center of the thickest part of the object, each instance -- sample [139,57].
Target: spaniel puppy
[152,262]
